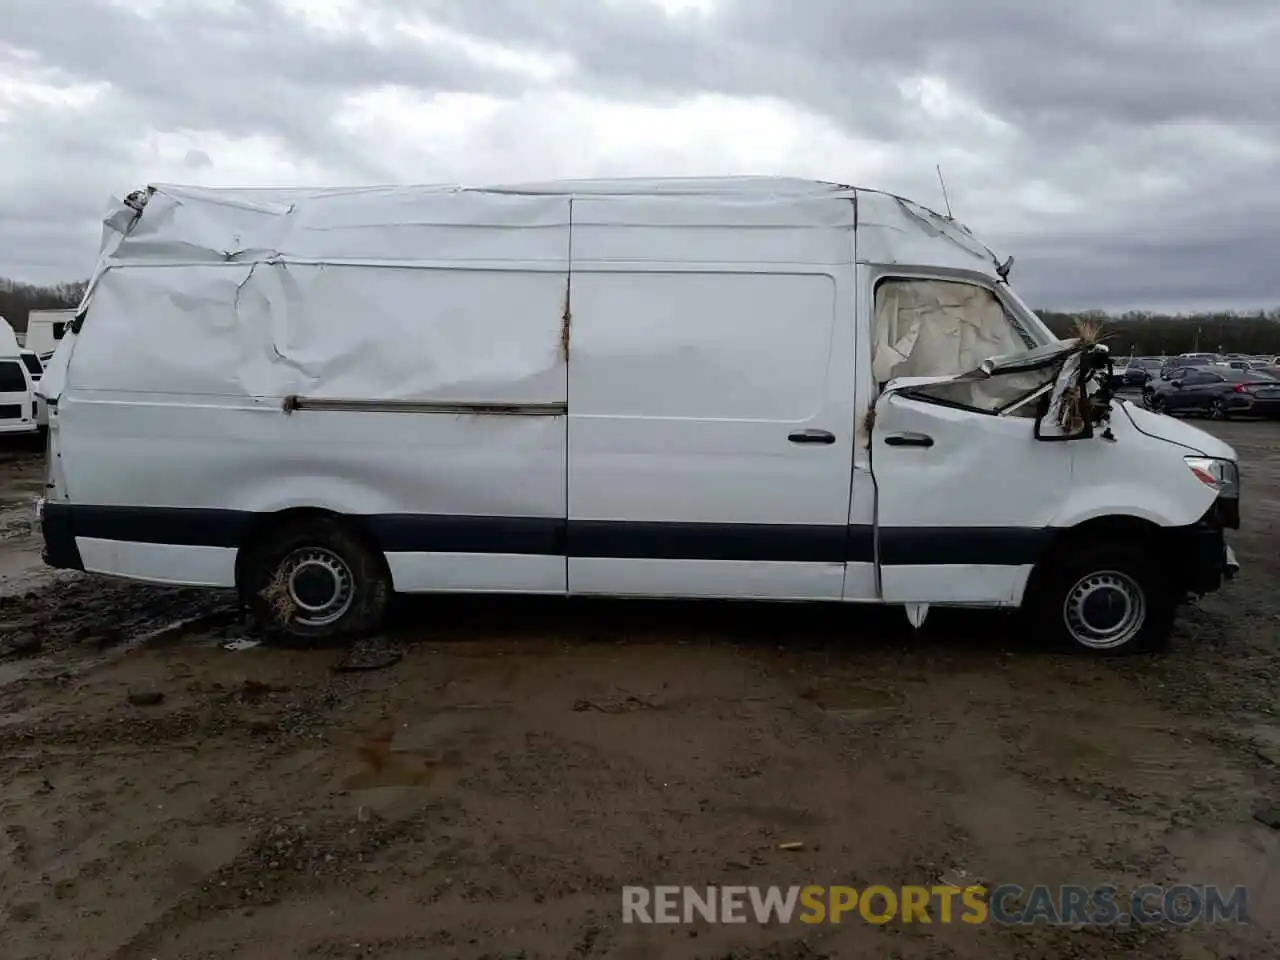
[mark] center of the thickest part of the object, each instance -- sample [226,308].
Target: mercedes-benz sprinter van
[740,388]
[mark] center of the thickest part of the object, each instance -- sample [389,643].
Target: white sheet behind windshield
[937,328]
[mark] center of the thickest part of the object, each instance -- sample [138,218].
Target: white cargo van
[738,388]
[19,412]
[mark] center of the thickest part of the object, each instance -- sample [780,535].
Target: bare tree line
[1138,332]
[17,300]
[1153,334]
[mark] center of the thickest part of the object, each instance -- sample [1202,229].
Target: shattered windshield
[939,328]
[997,394]
[1001,385]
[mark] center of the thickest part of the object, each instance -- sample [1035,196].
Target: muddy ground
[490,794]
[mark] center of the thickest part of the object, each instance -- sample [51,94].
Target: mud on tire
[314,581]
[1103,600]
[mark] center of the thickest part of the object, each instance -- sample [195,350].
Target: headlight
[1222,475]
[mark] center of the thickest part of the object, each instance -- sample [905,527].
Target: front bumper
[1201,559]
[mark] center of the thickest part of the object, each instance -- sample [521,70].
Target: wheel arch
[264,524]
[1162,543]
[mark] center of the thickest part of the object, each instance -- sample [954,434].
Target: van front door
[710,431]
[965,492]
[964,501]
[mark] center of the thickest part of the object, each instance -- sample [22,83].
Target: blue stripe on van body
[411,533]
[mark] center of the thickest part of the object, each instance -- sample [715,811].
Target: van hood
[1164,427]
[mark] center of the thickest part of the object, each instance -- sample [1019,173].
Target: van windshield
[941,328]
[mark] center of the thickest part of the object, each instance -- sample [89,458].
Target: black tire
[1218,409]
[1120,577]
[321,563]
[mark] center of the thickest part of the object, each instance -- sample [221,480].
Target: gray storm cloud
[1127,154]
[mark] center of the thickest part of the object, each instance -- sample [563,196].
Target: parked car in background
[1140,370]
[1186,360]
[1240,363]
[1218,392]
[1118,367]
[1167,375]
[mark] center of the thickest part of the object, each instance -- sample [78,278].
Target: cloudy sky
[1128,154]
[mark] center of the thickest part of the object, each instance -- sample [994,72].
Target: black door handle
[813,436]
[908,440]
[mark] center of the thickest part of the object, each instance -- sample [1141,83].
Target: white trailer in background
[45,328]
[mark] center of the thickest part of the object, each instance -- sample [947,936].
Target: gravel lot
[490,794]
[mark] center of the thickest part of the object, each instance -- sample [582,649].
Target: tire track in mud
[286,858]
[70,624]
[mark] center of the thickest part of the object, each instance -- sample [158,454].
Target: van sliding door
[710,406]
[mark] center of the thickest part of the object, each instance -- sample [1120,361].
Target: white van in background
[19,412]
[741,388]
[35,370]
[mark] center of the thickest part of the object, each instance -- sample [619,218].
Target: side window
[11,377]
[938,328]
[59,328]
[1194,379]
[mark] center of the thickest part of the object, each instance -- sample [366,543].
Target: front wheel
[1103,600]
[314,581]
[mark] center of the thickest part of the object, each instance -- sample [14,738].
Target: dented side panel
[436,389]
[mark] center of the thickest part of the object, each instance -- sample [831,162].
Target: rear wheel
[1106,600]
[1218,409]
[313,581]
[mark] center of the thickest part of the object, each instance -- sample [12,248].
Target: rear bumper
[1253,406]
[60,550]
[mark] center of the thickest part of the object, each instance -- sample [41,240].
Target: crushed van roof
[520,221]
